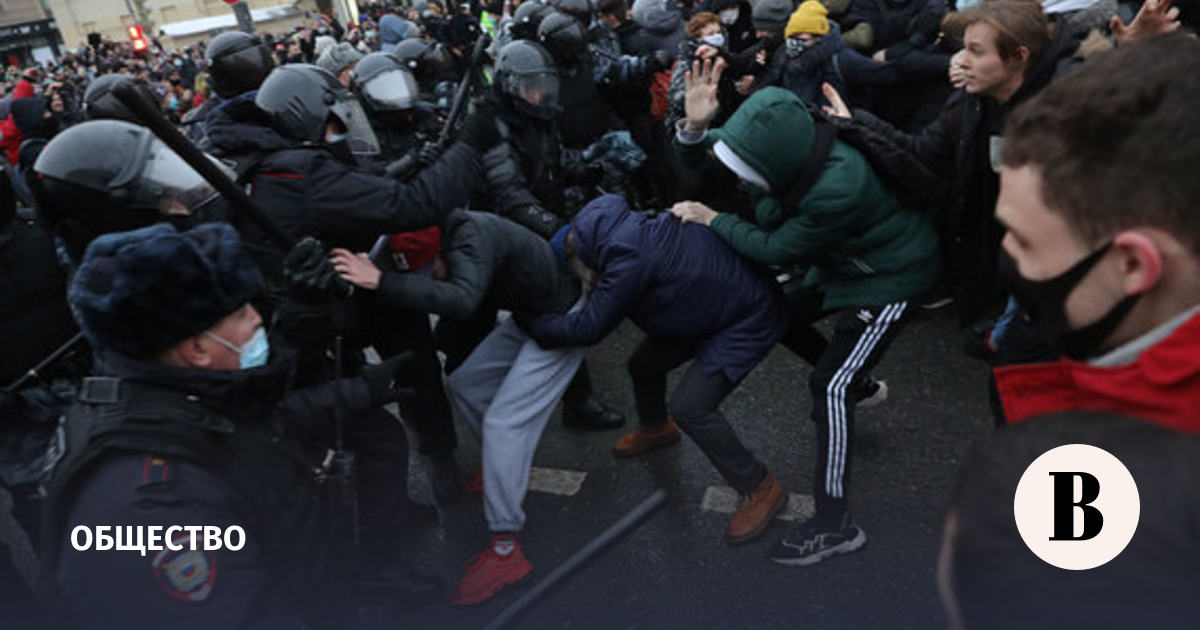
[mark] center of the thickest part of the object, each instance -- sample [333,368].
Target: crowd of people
[190,329]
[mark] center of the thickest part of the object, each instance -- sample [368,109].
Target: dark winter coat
[673,280]
[959,144]
[892,20]
[864,248]
[523,178]
[311,191]
[489,260]
[658,28]
[804,74]
[202,447]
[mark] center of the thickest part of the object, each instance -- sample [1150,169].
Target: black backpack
[906,177]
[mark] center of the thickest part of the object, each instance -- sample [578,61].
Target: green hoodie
[863,248]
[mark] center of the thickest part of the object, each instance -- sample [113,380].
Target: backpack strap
[825,134]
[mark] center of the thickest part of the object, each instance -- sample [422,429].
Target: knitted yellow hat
[809,17]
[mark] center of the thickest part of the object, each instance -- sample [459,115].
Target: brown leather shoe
[756,511]
[642,439]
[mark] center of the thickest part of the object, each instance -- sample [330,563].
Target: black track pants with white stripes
[860,337]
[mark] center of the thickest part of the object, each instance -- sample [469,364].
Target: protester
[1106,276]
[870,256]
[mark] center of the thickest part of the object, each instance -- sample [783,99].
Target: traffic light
[137,36]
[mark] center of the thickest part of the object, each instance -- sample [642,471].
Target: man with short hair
[1102,249]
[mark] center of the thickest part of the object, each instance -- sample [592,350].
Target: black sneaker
[806,545]
[874,394]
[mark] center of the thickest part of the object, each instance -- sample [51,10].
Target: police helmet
[525,72]
[302,98]
[100,103]
[426,60]
[238,62]
[526,18]
[104,176]
[385,83]
[564,37]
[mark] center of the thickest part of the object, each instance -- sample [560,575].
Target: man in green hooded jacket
[864,254]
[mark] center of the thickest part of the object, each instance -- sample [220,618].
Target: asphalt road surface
[676,571]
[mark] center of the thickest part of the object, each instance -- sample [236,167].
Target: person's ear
[1141,262]
[195,352]
[1023,56]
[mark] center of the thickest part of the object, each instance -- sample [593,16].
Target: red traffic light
[135,32]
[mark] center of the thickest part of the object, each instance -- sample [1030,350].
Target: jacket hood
[594,225]
[658,19]
[238,126]
[1066,42]
[243,395]
[772,132]
[29,114]
[392,30]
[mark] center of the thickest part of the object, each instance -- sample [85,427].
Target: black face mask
[1044,301]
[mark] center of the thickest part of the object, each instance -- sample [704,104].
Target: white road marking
[565,483]
[724,500]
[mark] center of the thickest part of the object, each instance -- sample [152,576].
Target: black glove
[480,129]
[383,379]
[661,60]
[309,274]
[428,153]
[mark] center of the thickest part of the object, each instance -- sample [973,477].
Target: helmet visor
[394,89]
[539,89]
[169,184]
[359,134]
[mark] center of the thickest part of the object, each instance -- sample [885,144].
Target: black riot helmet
[99,103]
[104,176]
[301,99]
[428,61]
[578,9]
[526,74]
[238,63]
[564,37]
[526,19]
[384,83]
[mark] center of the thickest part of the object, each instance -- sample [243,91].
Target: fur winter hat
[138,293]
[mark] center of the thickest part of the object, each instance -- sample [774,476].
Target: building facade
[27,32]
[176,23]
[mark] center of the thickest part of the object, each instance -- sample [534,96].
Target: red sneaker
[488,572]
[473,482]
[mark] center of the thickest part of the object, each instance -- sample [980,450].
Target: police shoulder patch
[187,575]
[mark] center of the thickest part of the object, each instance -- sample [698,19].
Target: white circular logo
[1077,507]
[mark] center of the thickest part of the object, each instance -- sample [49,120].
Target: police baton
[581,558]
[150,116]
[409,163]
[464,88]
[35,372]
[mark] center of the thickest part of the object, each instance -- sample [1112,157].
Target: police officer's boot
[581,409]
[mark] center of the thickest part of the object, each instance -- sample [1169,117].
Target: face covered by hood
[594,226]
[771,133]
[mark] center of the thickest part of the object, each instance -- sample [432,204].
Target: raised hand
[700,102]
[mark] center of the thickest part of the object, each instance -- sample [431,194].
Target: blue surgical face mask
[728,16]
[716,41]
[253,353]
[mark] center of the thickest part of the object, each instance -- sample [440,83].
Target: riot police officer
[106,176]
[237,63]
[190,421]
[430,63]
[389,94]
[525,179]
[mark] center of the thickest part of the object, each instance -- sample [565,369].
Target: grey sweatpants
[505,391]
